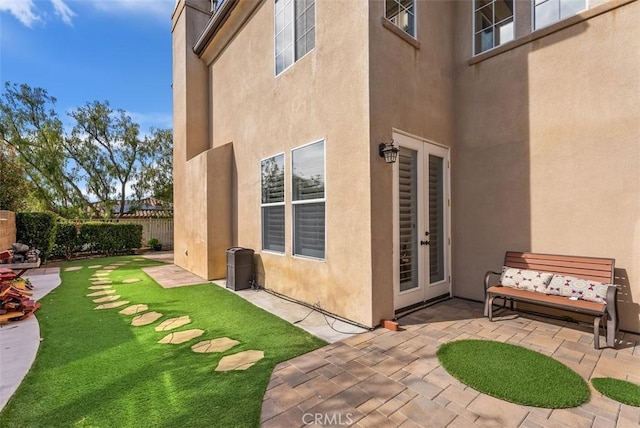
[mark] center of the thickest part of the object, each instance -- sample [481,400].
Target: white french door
[421,222]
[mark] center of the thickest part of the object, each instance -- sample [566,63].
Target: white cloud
[161,8]
[21,9]
[26,11]
[155,119]
[63,11]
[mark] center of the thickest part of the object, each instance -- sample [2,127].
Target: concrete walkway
[389,379]
[19,340]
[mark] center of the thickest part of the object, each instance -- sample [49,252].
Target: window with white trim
[403,14]
[492,23]
[272,203]
[308,200]
[546,12]
[295,31]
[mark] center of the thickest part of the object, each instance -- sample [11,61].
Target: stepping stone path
[101,293]
[172,323]
[112,305]
[240,361]
[181,336]
[215,345]
[145,319]
[134,309]
[107,299]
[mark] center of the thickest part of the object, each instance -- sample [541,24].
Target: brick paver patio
[387,379]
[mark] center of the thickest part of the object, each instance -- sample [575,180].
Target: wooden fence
[7,229]
[161,228]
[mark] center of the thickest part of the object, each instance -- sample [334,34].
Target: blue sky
[92,50]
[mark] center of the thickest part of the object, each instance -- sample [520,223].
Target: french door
[421,222]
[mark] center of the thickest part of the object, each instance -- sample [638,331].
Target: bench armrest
[487,278]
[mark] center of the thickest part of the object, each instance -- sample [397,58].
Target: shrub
[68,242]
[37,230]
[98,237]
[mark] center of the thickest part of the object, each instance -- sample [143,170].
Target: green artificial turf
[619,390]
[94,369]
[513,373]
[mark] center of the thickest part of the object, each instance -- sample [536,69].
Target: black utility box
[239,268]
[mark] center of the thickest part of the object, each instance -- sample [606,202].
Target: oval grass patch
[513,373]
[619,390]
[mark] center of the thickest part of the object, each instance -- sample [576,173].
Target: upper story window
[493,24]
[308,200]
[272,203]
[546,12]
[295,31]
[403,14]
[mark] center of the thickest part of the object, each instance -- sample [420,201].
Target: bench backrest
[593,268]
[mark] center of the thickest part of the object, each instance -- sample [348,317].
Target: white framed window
[272,203]
[547,12]
[492,24]
[403,14]
[295,31]
[308,200]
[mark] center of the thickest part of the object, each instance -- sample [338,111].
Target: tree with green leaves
[14,186]
[100,159]
[155,178]
[30,125]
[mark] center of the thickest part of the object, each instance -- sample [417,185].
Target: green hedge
[37,230]
[97,237]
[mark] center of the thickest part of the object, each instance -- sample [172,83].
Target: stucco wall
[547,152]
[324,95]
[412,91]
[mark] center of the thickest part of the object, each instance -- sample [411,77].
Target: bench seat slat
[560,302]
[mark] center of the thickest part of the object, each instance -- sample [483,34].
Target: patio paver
[384,378]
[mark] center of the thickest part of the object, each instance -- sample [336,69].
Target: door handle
[424,242]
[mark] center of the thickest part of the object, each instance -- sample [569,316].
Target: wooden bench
[589,268]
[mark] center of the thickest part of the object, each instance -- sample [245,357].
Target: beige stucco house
[517,123]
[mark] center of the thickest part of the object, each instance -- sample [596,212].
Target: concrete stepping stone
[130,280]
[72,268]
[101,293]
[101,281]
[103,270]
[107,299]
[119,263]
[134,309]
[215,345]
[112,305]
[172,323]
[111,267]
[145,319]
[181,336]
[100,287]
[240,361]
[138,260]
[101,273]
[94,267]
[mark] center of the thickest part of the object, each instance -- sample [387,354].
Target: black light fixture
[388,151]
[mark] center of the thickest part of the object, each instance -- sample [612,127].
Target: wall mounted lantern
[388,151]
